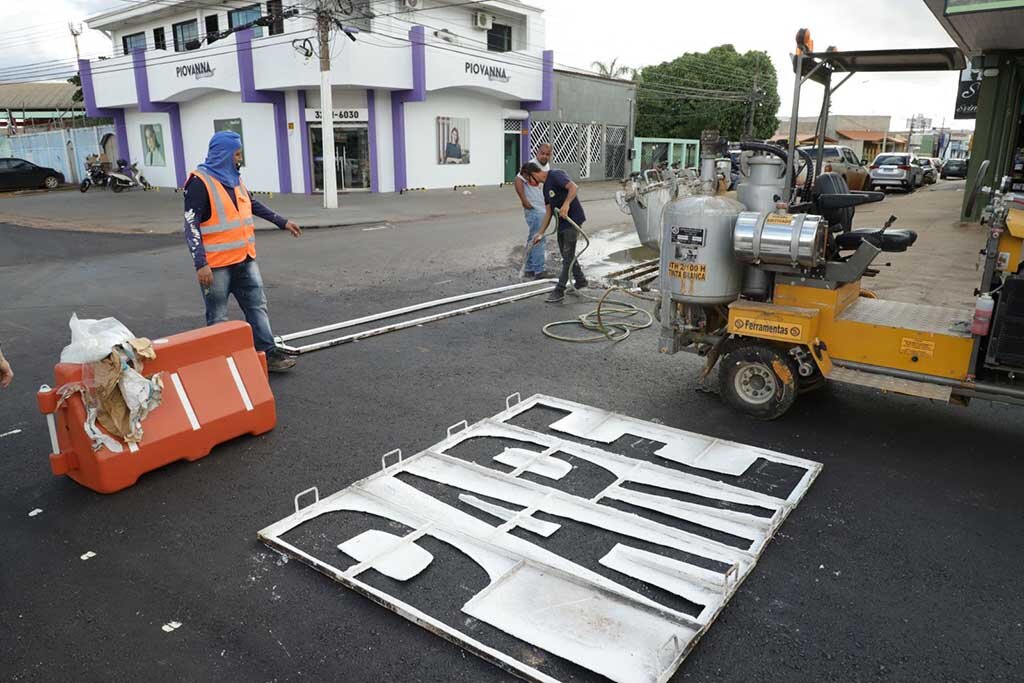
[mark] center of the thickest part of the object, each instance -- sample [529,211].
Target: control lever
[888,224]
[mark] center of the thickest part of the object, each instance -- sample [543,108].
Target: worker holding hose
[560,194]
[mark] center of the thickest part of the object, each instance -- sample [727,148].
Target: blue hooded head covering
[220,157]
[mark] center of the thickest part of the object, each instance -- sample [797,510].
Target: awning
[928,59]
[979,26]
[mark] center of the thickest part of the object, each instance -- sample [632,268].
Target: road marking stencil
[691,514]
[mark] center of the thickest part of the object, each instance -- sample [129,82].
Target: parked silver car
[896,169]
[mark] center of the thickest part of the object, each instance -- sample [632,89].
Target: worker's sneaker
[555,298]
[581,284]
[280,362]
[540,275]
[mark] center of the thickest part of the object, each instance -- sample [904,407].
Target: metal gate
[615,152]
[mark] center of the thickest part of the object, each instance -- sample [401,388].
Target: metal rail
[985,390]
[402,311]
[416,321]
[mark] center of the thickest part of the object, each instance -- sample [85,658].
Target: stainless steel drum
[780,239]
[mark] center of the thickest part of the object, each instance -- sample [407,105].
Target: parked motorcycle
[124,178]
[94,174]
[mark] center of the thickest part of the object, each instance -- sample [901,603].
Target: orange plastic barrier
[215,389]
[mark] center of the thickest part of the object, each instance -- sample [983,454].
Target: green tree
[713,89]
[76,80]
[613,69]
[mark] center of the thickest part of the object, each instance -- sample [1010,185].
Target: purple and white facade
[411,76]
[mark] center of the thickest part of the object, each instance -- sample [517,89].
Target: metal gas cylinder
[764,183]
[795,240]
[697,261]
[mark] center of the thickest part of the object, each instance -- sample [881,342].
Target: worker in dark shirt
[220,233]
[560,195]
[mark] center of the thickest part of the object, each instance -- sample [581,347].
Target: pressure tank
[697,261]
[794,240]
[764,183]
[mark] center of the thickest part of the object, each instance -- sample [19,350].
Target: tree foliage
[712,89]
[77,95]
[613,69]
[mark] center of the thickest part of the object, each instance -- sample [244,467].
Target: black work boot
[555,297]
[280,362]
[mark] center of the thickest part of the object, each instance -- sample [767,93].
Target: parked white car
[896,169]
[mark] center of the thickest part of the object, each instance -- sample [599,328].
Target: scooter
[127,177]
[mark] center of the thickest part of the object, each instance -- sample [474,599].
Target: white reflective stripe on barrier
[185,403]
[238,383]
[133,447]
[51,425]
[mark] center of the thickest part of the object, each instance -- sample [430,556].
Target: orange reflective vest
[229,234]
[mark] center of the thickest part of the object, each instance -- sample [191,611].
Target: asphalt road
[900,564]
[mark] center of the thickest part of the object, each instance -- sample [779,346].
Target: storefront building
[991,35]
[428,95]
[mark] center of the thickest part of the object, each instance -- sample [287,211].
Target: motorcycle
[94,174]
[124,178]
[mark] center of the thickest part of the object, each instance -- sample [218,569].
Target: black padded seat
[889,240]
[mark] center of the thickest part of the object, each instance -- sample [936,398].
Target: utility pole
[75,32]
[323,29]
[753,106]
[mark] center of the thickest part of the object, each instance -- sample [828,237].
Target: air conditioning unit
[483,21]
[412,4]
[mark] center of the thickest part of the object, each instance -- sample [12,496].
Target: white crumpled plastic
[93,340]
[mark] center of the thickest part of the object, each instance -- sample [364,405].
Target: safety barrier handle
[457,427]
[384,458]
[300,494]
[509,402]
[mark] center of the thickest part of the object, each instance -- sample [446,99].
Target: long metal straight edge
[416,321]
[407,309]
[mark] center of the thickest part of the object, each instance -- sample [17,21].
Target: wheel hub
[755,383]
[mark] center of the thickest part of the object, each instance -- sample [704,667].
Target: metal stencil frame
[617,632]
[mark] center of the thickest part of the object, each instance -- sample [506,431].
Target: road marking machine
[768,285]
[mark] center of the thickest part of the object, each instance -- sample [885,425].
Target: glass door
[351,157]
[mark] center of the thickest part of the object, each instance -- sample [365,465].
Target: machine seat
[888,240]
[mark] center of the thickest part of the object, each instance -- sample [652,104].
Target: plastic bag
[93,340]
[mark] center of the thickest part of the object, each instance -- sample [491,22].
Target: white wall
[385,152]
[258,136]
[486,140]
[163,176]
[113,82]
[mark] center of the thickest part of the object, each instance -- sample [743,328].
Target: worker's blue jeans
[245,282]
[535,258]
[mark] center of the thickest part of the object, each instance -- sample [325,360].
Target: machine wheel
[758,379]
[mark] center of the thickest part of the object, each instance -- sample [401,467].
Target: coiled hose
[613,320]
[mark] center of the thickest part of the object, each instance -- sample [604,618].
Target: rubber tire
[116,186]
[50,182]
[908,187]
[84,187]
[768,356]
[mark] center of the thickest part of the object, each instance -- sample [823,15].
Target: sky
[648,32]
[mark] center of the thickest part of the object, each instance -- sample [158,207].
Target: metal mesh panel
[513,125]
[539,134]
[595,142]
[615,152]
[566,142]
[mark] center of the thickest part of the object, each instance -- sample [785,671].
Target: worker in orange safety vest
[220,234]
